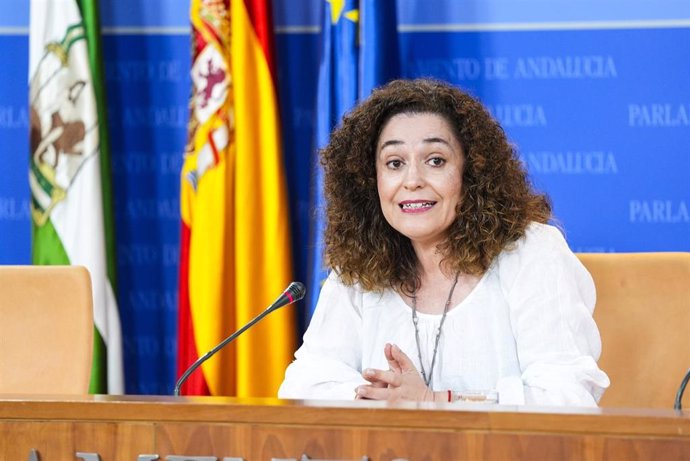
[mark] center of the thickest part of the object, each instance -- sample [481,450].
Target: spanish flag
[235,254]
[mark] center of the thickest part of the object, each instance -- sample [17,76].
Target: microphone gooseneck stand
[681,389]
[292,294]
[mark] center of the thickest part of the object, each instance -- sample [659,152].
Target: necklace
[415,321]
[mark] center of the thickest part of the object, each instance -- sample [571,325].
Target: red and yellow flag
[235,254]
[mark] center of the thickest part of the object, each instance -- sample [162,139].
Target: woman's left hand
[401,382]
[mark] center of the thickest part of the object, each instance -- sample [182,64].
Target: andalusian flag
[235,250]
[69,165]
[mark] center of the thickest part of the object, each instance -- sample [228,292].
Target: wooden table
[124,427]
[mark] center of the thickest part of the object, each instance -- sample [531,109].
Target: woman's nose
[414,178]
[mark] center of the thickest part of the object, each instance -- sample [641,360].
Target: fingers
[375,383]
[381,378]
[374,393]
[399,357]
[392,363]
[400,365]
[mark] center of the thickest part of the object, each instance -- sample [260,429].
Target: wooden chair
[643,315]
[46,329]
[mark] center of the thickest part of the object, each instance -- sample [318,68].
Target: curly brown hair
[496,206]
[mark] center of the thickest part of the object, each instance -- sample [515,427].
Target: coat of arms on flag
[64,124]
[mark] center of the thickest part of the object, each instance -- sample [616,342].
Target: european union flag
[379,55]
[359,52]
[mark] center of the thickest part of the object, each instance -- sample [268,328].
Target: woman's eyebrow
[397,142]
[434,140]
[392,142]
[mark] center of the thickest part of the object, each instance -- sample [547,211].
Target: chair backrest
[46,329]
[643,315]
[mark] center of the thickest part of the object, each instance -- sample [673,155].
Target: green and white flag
[70,165]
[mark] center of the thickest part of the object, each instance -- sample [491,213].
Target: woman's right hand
[401,381]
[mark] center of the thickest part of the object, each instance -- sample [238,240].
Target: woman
[445,276]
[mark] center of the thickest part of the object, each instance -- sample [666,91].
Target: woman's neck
[436,281]
[430,262]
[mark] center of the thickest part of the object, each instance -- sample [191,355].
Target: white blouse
[526,331]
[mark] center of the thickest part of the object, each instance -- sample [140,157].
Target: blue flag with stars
[359,52]
[379,54]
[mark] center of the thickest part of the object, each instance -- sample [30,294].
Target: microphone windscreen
[297,291]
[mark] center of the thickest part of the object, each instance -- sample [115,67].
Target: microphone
[681,389]
[293,293]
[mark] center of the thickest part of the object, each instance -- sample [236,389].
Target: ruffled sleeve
[327,365]
[551,298]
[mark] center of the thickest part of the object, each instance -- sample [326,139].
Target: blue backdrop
[593,94]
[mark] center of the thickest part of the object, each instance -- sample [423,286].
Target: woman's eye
[394,164]
[437,161]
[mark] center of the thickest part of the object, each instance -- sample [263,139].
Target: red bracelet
[449,395]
